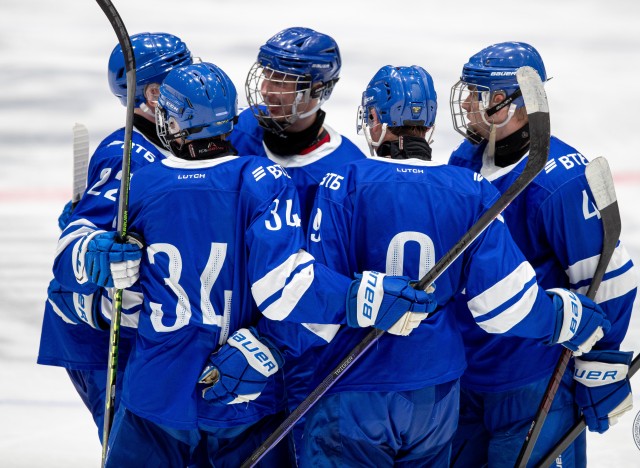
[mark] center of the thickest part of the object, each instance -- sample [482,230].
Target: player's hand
[238,371]
[603,391]
[580,321]
[111,263]
[387,302]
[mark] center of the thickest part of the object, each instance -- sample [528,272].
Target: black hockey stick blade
[80,161]
[567,439]
[600,182]
[123,209]
[538,111]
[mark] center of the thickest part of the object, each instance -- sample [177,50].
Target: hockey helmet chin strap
[508,101]
[374,144]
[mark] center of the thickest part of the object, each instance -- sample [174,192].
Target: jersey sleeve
[287,282]
[573,227]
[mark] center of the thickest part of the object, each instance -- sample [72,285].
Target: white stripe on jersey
[611,288]
[291,294]
[512,316]
[67,239]
[275,280]
[502,291]
[615,287]
[326,332]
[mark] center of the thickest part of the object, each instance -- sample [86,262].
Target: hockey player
[398,213]
[75,331]
[556,225]
[233,242]
[294,75]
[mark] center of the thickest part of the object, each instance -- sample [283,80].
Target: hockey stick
[601,184]
[537,109]
[571,435]
[80,162]
[123,212]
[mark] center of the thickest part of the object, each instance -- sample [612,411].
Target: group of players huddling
[263,246]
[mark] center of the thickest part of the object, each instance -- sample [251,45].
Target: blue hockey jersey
[557,226]
[306,170]
[72,344]
[224,247]
[400,217]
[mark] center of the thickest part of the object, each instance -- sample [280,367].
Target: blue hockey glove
[238,371]
[110,263]
[76,308]
[387,303]
[603,391]
[64,217]
[580,321]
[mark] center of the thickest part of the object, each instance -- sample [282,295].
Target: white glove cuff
[595,373]
[572,313]
[257,354]
[370,294]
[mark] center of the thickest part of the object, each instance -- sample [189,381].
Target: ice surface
[53,58]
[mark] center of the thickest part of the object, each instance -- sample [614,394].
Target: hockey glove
[580,321]
[76,308]
[603,391]
[238,371]
[65,216]
[387,302]
[110,263]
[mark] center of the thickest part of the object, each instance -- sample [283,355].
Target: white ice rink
[53,58]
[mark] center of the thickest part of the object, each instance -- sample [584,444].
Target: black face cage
[275,97]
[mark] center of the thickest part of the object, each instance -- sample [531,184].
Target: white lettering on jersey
[332,181]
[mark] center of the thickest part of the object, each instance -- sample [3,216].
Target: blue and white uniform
[307,171]
[399,217]
[75,331]
[233,241]
[557,227]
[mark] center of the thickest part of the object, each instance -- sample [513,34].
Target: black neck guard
[405,147]
[510,149]
[290,143]
[148,129]
[205,148]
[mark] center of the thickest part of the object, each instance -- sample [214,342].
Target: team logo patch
[636,430]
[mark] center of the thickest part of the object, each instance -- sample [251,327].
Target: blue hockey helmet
[197,101]
[295,73]
[490,71]
[156,54]
[304,52]
[495,67]
[400,96]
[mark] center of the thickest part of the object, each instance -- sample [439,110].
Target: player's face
[151,94]
[473,108]
[282,94]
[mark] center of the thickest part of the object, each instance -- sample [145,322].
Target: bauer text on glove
[238,371]
[603,391]
[580,321]
[388,303]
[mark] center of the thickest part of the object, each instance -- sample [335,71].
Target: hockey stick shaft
[123,210]
[601,185]
[571,435]
[80,162]
[538,112]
